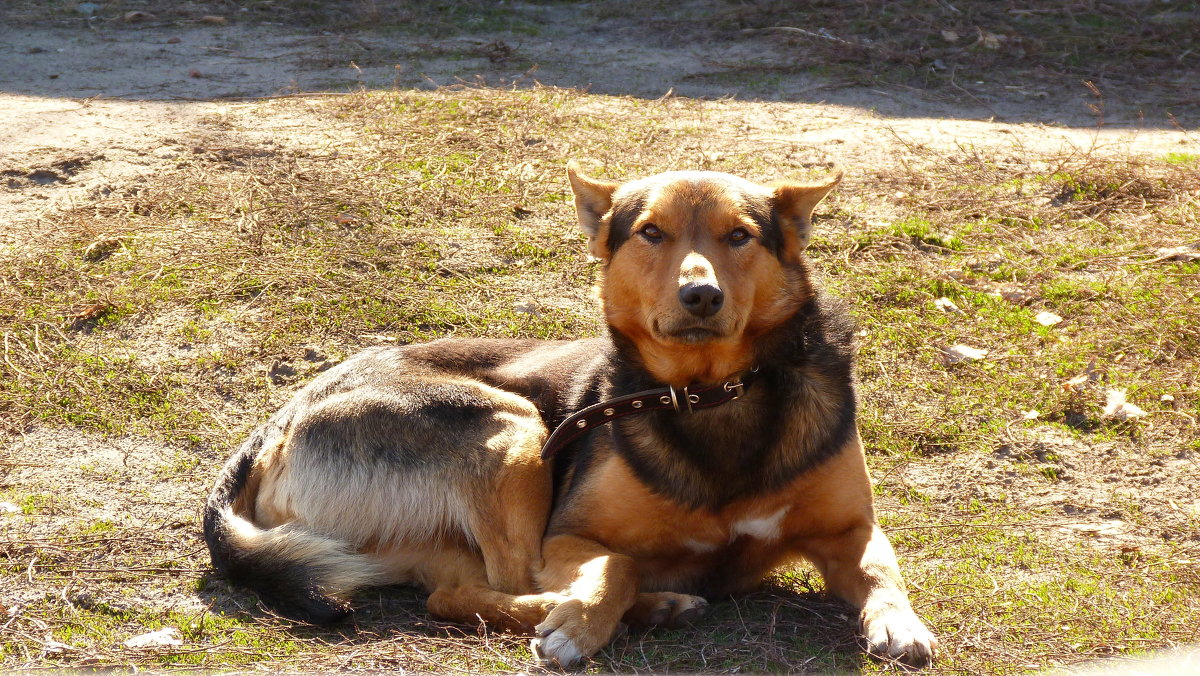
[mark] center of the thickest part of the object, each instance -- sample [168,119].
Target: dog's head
[698,265]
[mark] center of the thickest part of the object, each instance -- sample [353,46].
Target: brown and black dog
[422,464]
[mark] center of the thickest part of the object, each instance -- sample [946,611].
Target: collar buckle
[688,399]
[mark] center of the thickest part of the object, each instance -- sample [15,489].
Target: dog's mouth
[689,334]
[694,335]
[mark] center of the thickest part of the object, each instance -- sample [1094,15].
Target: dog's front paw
[897,633]
[570,634]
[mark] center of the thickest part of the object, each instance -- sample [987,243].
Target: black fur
[710,458]
[624,213]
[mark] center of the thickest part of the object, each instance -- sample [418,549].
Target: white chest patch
[700,547]
[764,528]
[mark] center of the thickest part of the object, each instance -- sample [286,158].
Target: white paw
[897,633]
[557,649]
[572,633]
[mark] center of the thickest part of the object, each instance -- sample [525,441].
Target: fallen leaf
[1117,408]
[991,40]
[950,36]
[1047,318]
[213,19]
[1031,414]
[1183,254]
[344,219]
[1075,384]
[8,508]
[162,637]
[946,305]
[960,353]
[195,73]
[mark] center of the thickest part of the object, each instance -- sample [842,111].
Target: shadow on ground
[775,630]
[1070,63]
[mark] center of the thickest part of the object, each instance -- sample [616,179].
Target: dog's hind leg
[461,593]
[665,609]
[509,520]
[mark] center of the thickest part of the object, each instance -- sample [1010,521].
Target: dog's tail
[299,573]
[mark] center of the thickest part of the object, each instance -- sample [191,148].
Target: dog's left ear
[593,199]
[793,204]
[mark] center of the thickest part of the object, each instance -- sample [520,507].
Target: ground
[206,203]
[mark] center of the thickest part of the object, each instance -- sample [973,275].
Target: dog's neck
[711,458]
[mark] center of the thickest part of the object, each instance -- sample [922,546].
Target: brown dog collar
[679,400]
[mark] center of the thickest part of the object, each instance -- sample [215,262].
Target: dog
[707,438]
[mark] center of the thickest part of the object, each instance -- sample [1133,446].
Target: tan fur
[642,281]
[657,532]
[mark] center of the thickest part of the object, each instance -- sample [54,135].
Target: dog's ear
[793,205]
[593,199]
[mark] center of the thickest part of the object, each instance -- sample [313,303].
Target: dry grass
[146,333]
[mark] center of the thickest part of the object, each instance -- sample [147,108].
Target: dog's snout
[702,300]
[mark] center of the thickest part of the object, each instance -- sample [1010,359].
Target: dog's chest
[703,552]
[680,548]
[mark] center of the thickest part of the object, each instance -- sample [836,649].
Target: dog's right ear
[593,199]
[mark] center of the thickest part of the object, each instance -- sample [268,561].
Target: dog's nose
[702,300]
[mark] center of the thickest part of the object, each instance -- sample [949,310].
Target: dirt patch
[1084,492]
[103,497]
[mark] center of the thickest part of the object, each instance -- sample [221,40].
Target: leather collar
[687,399]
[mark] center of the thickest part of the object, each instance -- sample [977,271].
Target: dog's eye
[739,236]
[651,232]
